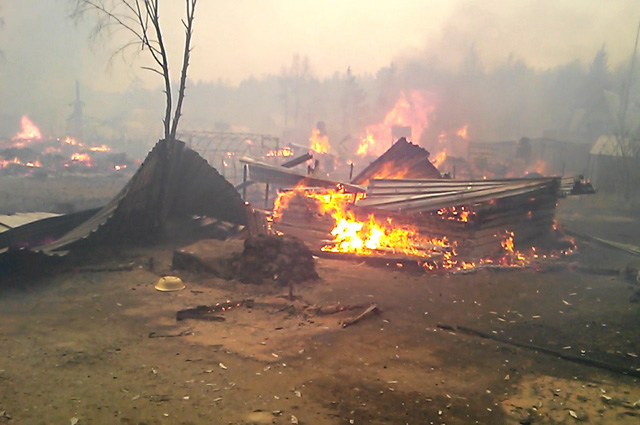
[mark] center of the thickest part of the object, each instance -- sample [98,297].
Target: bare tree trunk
[188,25]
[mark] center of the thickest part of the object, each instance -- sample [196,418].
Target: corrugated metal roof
[431,195]
[172,181]
[267,173]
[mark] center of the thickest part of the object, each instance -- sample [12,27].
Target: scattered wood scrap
[371,310]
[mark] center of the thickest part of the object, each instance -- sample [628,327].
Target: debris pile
[283,259]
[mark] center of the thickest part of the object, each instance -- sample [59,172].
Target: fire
[389,171]
[463,132]
[512,257]
[29,131]
[119,167]
[319,142]
[439,158]
[351,235]
[101,148]
[16,161]
[366,237]
[375,236]
[453,213]
[83,158]
[70,141]
[284,152]
[367,145]
[412,111]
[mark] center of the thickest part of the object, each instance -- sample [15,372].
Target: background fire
[29,153]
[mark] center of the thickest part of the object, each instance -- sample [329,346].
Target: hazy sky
[241,38]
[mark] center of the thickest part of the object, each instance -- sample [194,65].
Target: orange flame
[284,152]
[29,131]
[319,143]
[16,161]
[412,111]
[390,171]
[439,158]
[463,132]
[82,158]
[453,213]
[367,145]
[351,235]
[101,148]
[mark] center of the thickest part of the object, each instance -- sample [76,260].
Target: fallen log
[569,357]
[372,309]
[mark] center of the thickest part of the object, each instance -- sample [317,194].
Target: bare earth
[76,345]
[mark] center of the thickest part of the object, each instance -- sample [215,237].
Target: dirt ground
[94,347]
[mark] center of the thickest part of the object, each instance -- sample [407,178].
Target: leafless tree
[141,20]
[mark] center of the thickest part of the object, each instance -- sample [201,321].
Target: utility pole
[75,122]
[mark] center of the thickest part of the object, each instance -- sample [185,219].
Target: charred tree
[141,20]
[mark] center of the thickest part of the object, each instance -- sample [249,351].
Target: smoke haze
[505,69]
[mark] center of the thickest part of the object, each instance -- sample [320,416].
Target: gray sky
[238,39]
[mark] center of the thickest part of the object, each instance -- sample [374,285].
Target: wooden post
[245,172]
[266,197]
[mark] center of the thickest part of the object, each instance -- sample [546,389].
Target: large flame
[82,158]
[374,236]
[319,142]
[439,158]
[351,235]
[412,111]
[101,148]
[29,131]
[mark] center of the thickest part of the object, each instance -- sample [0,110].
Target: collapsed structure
[399,199]
[173,183]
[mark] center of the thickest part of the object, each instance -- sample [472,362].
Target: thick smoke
[505,73]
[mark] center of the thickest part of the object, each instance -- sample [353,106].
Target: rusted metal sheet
[431,195]
[266,173]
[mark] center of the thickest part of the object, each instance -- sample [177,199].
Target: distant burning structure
[29,153]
